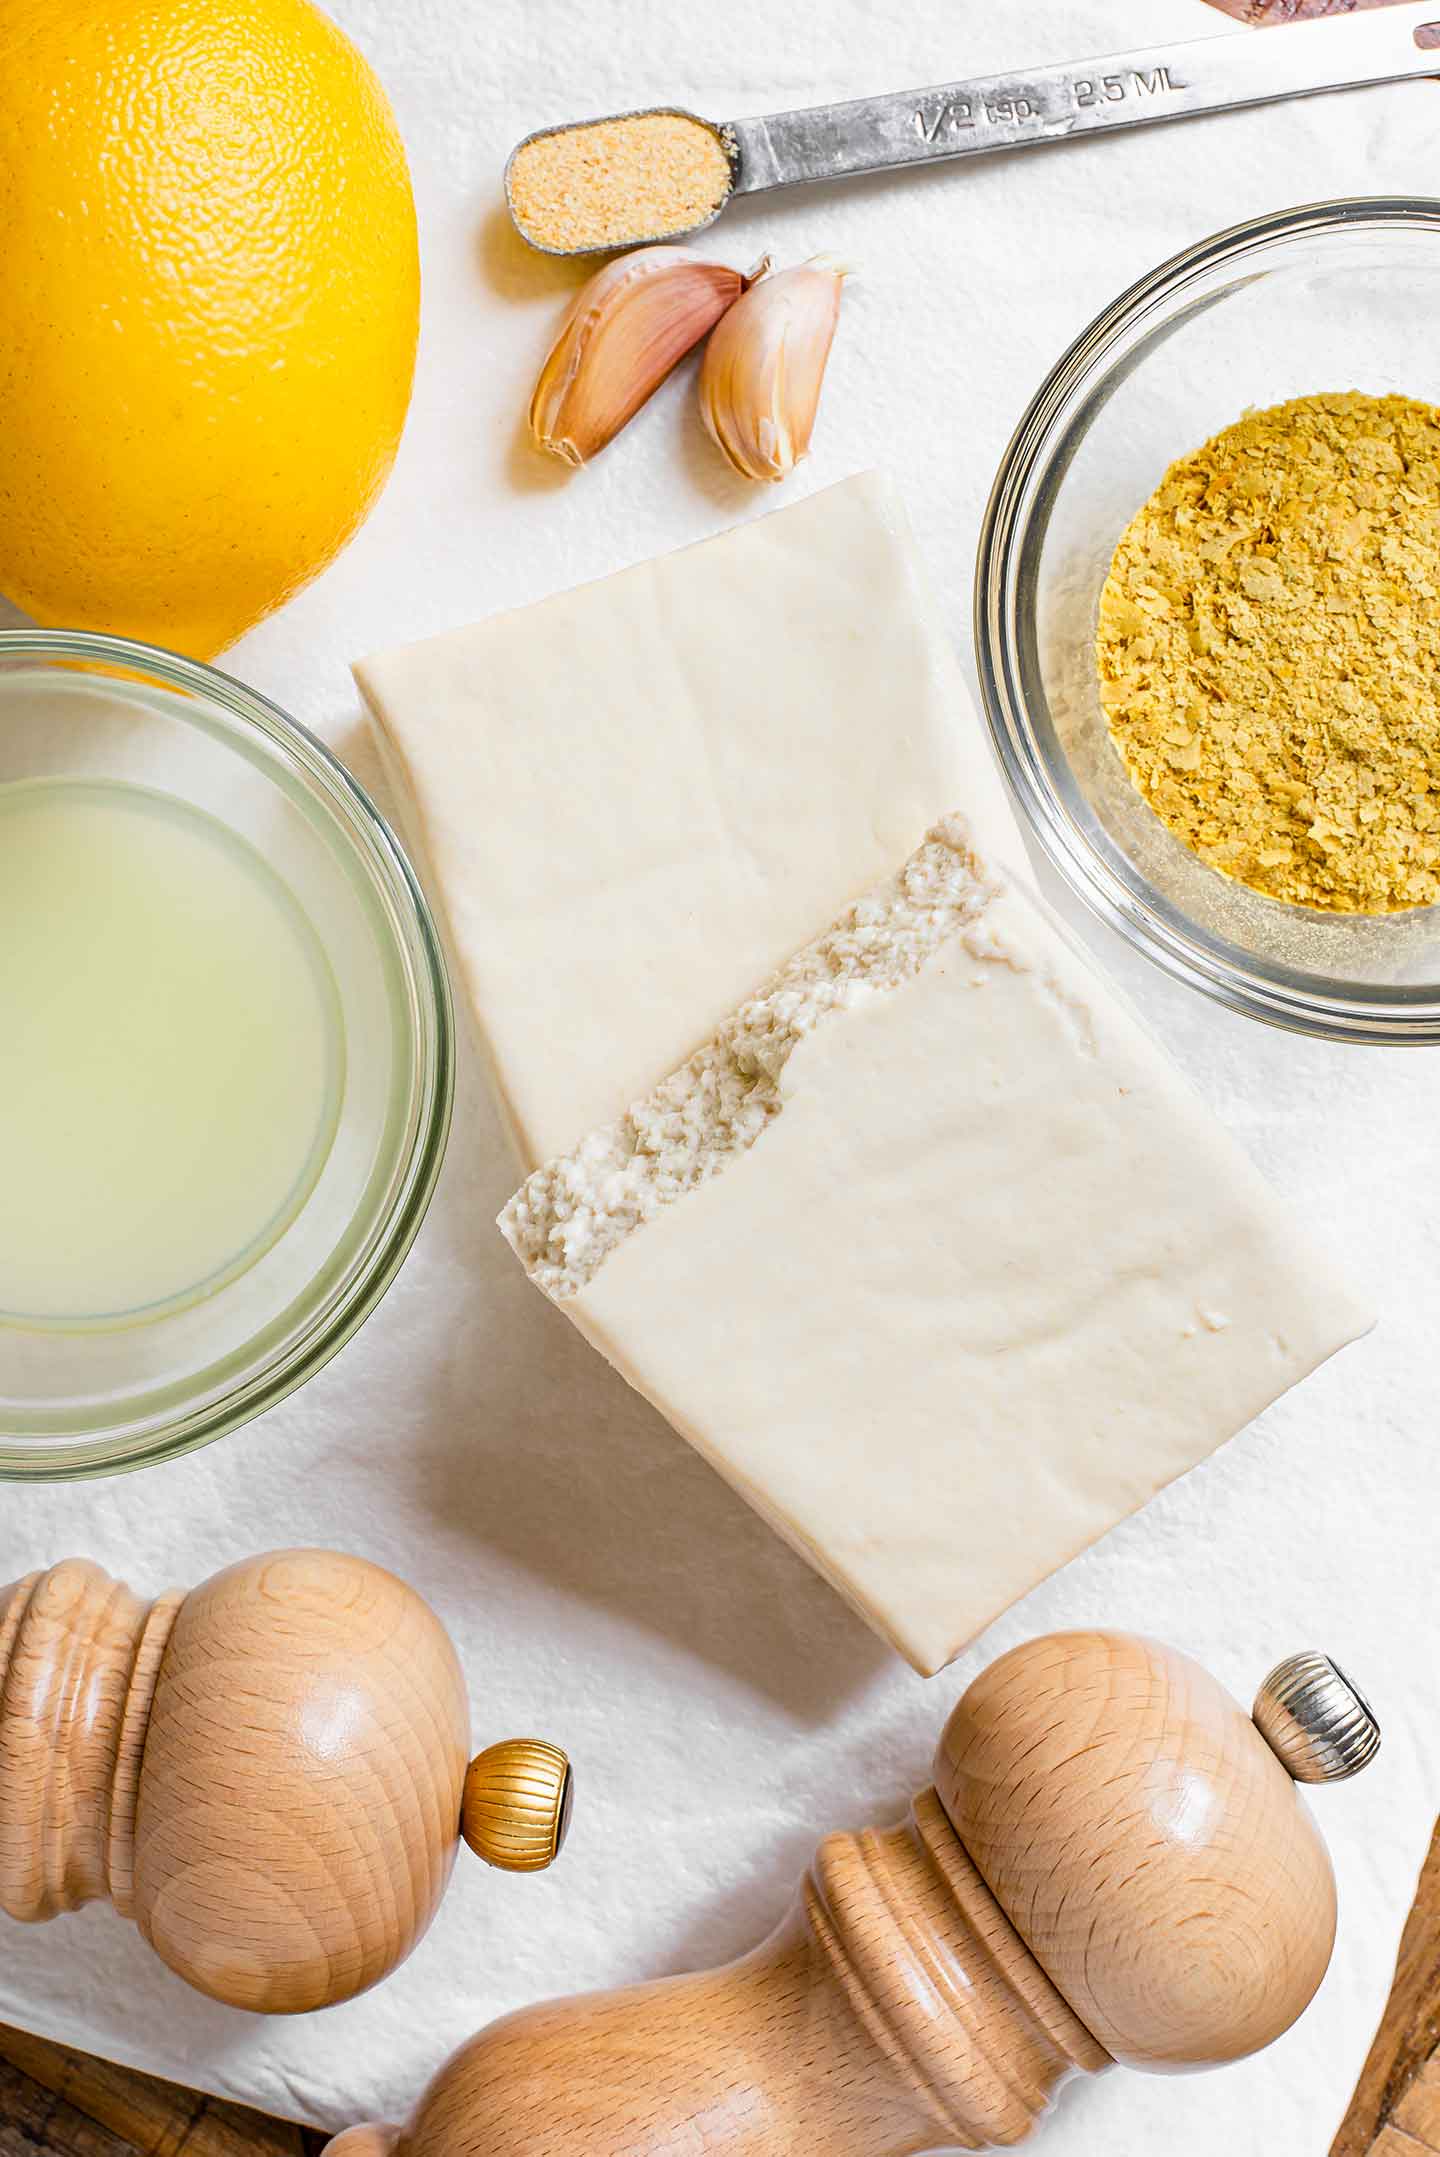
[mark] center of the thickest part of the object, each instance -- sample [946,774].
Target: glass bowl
[87,1392]
[1334,296]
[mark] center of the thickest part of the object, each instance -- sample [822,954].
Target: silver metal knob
[1322,1727]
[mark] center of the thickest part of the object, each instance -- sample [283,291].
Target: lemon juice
[171,1054]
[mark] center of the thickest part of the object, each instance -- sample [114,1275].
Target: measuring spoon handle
[1049,104]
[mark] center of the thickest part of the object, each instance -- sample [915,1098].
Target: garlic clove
[624,331]
[765,365]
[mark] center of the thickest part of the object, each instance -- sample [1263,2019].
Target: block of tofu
[934,1256]
[636,799]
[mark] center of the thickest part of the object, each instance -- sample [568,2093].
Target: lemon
[209,303]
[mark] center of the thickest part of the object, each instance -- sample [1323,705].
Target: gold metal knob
[1321,1726]
[516,1809]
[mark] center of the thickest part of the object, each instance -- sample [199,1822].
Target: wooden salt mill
[1113,1865]
[269,1775]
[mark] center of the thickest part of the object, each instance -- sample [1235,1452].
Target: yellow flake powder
[612,183]
[1269,652]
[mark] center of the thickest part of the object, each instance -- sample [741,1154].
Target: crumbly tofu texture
[572,1213]
[983,1279]
[635,800]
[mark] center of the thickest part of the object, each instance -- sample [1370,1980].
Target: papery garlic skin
[624,331]
[765,366]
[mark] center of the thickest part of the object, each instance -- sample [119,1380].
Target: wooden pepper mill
[269,1775]
[1113,1865]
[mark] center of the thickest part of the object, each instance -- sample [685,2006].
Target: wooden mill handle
[79,1658]
[264,1773]
[895,2010]
[268,1774]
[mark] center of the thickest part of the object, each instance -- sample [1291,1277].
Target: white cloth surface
[604,1587]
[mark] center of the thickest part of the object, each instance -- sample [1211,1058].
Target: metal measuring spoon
[1019,111]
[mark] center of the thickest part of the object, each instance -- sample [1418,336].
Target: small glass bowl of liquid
[226,1055]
